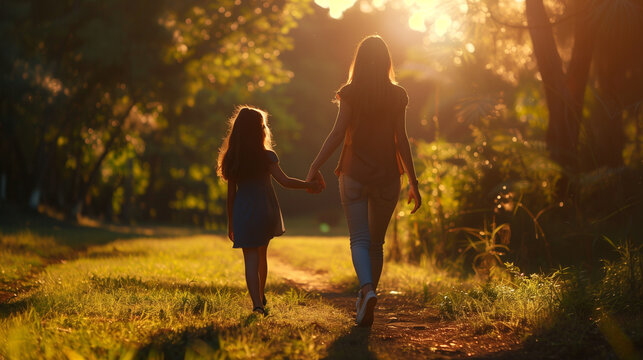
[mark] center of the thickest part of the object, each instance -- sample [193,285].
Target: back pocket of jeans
[350,189]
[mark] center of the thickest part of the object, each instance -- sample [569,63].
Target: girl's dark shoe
[259,310]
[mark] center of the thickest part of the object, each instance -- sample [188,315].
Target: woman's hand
[316,177]
[414,194]
[314,186]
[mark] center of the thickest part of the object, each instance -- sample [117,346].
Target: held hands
[314,187]
[316,182]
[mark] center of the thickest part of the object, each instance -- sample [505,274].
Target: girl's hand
[316,177]
[414,194]
[230,235]
[314,187]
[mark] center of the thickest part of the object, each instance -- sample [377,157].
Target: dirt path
[402,328]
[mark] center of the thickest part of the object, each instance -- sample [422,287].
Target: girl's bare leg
[251,260]
[263,270]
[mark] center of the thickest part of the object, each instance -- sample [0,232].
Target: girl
[246,161]
[371,122]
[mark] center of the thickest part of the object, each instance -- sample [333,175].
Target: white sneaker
[359,299]
[365,309]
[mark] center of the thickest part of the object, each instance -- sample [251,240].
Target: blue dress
[256,215]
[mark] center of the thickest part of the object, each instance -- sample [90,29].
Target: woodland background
[525,116]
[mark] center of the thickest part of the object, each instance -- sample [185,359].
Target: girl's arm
[333,140]
[232,192]
[403,146]
[289,182]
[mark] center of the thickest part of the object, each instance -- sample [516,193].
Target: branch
[92,175]
[584,44]
[545,49]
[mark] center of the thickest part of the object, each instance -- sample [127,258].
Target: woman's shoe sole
[368,316]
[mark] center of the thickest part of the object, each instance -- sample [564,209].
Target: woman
[372,123]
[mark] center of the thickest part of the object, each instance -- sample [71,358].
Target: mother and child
[371,122]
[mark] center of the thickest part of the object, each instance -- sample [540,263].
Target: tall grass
[513,300]
[569,310]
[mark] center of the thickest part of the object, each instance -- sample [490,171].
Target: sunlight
[441,25]
[450,23]
[429,16]
[336,7]
[416,21]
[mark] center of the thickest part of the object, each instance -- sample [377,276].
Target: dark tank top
[370,153]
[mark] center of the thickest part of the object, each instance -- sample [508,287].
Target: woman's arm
[403,146]
[333,140]
[232,192]
[289,182]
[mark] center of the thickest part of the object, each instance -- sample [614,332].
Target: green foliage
[565,308]
[447,173]
[487,250]
[100,92]
[621,287]
[515,300]
[498,171]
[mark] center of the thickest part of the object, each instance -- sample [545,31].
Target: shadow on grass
[201,291]
[197,288]
[353,345]
[192,342]
[17,220]
[199,297]
[9,308]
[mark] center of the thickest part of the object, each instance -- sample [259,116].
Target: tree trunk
[85,185]
[606,137]
[38,174]
[564,91]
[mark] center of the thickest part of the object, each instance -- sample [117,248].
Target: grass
[512,301]
[25,253]
[327,255]
[30,240]
[575,315]
[178,297]
[331,255]
[116,295]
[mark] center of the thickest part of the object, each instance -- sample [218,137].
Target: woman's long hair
[243,153]
[371,74]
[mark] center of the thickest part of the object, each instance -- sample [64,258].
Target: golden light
[450,23]
[417,21]
[433,16]
[441,25]
[336,7]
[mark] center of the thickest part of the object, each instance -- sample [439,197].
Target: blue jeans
[368,211]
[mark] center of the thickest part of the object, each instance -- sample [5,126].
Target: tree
[567,39]
[86,79]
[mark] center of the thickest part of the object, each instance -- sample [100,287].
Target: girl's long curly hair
[243,153]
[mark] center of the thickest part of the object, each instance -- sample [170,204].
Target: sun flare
[436,18]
